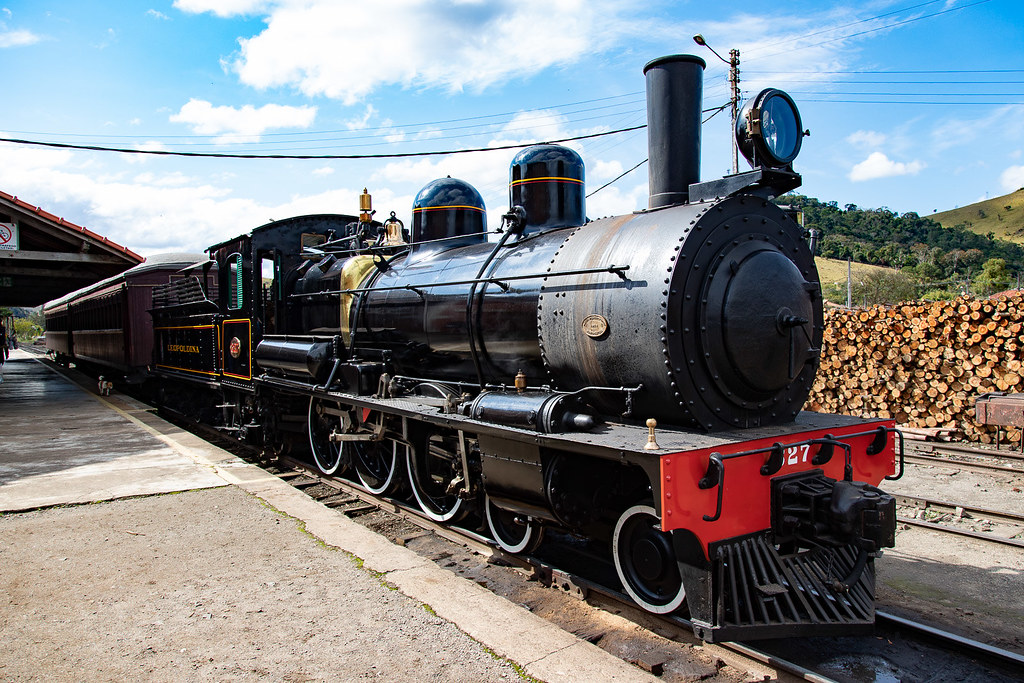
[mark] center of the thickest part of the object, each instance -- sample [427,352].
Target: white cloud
[106,40]
[151,145]
[312,44]
[1012,178]
[878,165]
[18,38]
[868,139]
[175,179]
[363,121]
[964,132]
[616,199]
[244,124]
[323,171]
[222,8]
[604,170]
[156,14]
[148,145]
[148,212]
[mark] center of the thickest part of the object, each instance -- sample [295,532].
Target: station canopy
[43,257]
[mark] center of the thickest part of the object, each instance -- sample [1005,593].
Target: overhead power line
[789,41]
[617,178]
[848,36]
[424,126]
[224,155]
[904,102]
[881,72]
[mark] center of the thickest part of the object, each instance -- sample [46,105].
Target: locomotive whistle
[520,382]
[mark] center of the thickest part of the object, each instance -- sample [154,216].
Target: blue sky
[912,105]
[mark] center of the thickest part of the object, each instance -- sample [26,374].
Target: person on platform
[3,343]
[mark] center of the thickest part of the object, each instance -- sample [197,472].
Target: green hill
[833,271]
[1001,216]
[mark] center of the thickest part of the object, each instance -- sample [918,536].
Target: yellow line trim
[248,334]
[541,180]
[187,327]
[228,374]
[442,208]
[198,372]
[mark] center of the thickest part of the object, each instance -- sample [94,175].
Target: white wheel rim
[504,545]
[312,443]
[668,607]
[424,507]
[391,473]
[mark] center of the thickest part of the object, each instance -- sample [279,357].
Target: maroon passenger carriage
[106,326]
[637,380]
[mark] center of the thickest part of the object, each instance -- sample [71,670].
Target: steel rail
[922,459]
[990,653]
[926,503]
[934,526]
[479,544]
[553,577]
[943,447]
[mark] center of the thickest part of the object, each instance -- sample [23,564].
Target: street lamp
[734,86]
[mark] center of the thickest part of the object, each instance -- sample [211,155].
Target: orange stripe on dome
[442,208]
[541,180]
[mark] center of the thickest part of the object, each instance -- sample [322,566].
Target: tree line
[929,261]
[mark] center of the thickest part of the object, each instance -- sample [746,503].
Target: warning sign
[9,236]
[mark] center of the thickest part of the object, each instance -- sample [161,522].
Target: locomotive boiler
[698,314]
[636,379]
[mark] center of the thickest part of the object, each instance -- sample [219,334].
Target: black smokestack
[675,92]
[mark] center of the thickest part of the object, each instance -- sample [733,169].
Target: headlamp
[768,129]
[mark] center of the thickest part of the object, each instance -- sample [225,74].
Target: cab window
[235,282]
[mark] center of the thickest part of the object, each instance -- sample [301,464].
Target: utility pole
[849,284]
[734,82]
[734,93]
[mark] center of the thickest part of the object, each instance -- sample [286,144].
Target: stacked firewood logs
[923,364]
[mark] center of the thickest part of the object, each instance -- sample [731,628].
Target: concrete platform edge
[542,649]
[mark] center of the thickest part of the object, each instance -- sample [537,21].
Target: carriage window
[235,281]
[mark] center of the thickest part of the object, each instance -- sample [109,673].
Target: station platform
[132,549]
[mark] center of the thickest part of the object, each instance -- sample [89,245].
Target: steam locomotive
[637,379]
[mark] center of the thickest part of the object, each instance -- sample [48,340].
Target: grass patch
[515,666]
[1002,216]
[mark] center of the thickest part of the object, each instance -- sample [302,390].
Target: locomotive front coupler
[810,509]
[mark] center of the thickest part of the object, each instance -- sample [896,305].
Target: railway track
[773,656]
[964,457]
[355,500]
[997,656]
[945,516]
